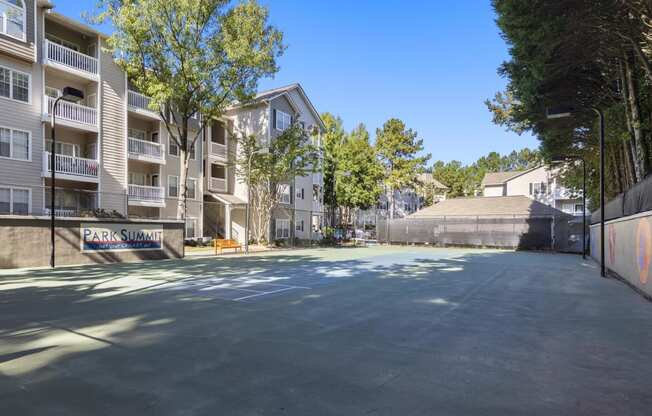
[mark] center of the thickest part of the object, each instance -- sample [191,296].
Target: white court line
[269,293]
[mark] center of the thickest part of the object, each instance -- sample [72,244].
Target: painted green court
[364,331]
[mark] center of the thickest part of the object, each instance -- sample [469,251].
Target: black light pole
[603,271]
[563,112]
[68,94]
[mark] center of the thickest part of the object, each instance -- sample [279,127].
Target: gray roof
[499,178]
[481,206]
[428,178]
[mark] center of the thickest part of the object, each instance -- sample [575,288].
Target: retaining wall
[628,248]
[25,241]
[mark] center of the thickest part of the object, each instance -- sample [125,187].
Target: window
[300,193]
[191,188]
[173,186]
[282,229]
[15,201]
[282,120]
[299,226]
[13,84]
[579,208]
[173,149]
[59,41]
[284,192]
[136,178]
[52,92]
[192,152]
[136,134]
[12,18]
[191,227]
[218,171]
[62,148]
[538,188]
[15,144]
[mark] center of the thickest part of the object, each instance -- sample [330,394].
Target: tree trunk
[640,153]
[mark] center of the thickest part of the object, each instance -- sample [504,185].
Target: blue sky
[431,64]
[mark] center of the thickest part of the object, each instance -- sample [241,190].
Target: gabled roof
[500,178]
[485,206]
[428,178]
[269,95]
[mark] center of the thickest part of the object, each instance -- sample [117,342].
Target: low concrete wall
[628,249]
[25,242]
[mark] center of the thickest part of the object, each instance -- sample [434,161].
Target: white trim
[11,85]
[171,143]
[188,179]
[11,144]
[196,223]
[3,27]
[62,42]
[168,186]
[276,228]
[11,198]
[283,114]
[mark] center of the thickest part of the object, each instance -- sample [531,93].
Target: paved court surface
[366,331]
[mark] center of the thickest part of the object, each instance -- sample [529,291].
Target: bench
[224,243]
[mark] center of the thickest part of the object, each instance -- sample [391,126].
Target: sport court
[350,331]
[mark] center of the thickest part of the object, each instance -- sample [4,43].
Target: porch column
[227,222]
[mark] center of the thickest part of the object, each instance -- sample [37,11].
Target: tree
[358,174]
[290,154]
[333,138]
[397,149]
[193,58]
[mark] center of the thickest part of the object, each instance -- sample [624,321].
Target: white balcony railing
[70,165]
[139,101]
[73,112]
[146,149]
[70,58]
[62,212]
[142,193]
[218,185]
[218,150]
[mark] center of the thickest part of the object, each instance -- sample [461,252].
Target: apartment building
[540,183]
[112,151]
[265,117]
[409,200]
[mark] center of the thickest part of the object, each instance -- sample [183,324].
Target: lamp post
[564,112]
[567,158]
[262,150]
[72,95]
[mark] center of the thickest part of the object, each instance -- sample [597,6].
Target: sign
[120,237]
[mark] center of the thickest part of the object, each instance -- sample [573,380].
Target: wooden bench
[222,244]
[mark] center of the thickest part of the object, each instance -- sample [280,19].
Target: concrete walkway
[360,331]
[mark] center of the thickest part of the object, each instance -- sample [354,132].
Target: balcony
[73,115]
[72,168]
[147,196]
[139,104]
[218,150]
[146,151]
[70,61]
[217,185]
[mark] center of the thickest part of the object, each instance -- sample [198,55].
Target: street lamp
[262,150]
[564,112]
[568,158]
[68,94]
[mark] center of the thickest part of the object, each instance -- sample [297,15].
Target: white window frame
[11,85]
[76,148]
[286,226]
[11,144]
[285,196]
[194,221]
[195,189]
[285,118]
[168,186]
[133,130]
[132,175]
[171,143]
[3,22]
[11,198]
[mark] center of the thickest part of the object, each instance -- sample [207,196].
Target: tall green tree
[333,139]
[193,58]
[273,169]
[358,174]
[399,152]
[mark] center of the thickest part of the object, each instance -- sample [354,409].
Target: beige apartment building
[112,152]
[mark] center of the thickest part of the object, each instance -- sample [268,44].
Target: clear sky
[431,63]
